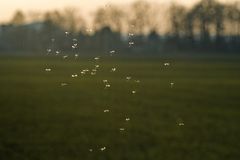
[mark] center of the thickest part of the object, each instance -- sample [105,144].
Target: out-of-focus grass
[40,120]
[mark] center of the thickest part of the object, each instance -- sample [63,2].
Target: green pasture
[197,118]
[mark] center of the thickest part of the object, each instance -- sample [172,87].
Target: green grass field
[42,120]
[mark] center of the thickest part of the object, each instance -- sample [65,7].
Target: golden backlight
[10,6]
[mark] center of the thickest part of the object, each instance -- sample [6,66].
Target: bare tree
[205,14]
[141,17]
[34,16]
[55,17]
[69,19]
[189,27]
[177,17]
[232,15]
[111,16]
[73,21]
[18,18]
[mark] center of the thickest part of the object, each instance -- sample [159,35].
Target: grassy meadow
[197,118]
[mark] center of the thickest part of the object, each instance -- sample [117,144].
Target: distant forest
[208,26]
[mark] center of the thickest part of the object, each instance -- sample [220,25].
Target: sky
[8,7]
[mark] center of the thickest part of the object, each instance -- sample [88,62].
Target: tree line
[141,27]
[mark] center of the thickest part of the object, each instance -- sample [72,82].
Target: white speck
[107,86]
[64,84]
[66,33]
[103,148]
[122,129]
[172,84]
[181,124]
[106,111]
[96,58]
[137,81]
[76,55]
[128,78]
[74,75]
[166,64]
[113,69]
[130,34]
[113,51]
[57,52]
[133,92]
[49,50]
[97,66]
[131,43]
[127,119]
[93,73]
[48,70]
[86,70]
[65,57]
[105,81]
[90,150]
[89,30]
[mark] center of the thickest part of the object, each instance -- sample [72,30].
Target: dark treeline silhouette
[208,26]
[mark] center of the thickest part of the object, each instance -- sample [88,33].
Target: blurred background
[120,80]
[153,26]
